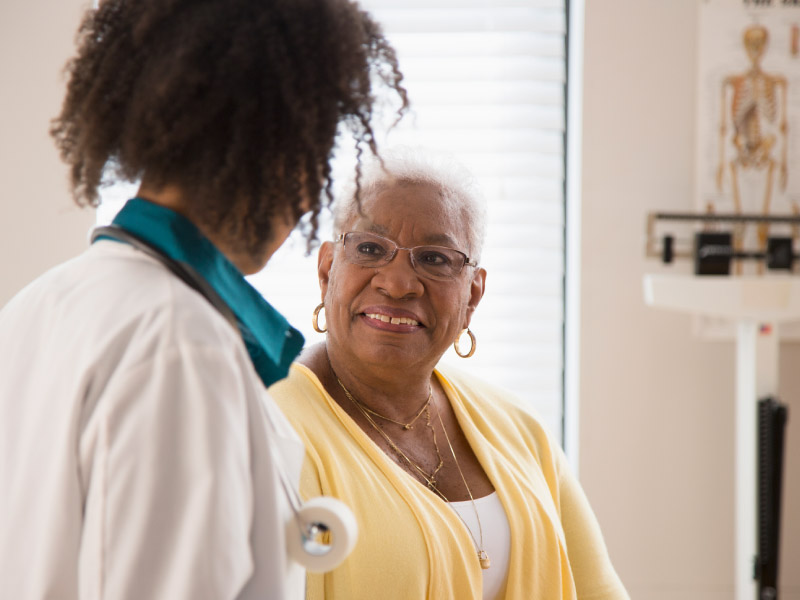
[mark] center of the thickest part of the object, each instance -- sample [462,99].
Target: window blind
[486,81]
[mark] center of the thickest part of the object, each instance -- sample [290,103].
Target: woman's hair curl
[235,102]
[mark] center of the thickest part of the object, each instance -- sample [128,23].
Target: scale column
[756,378]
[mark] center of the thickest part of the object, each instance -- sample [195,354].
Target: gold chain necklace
[428,478]
[406,426]
[483,557]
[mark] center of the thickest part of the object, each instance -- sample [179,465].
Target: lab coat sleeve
[165,457]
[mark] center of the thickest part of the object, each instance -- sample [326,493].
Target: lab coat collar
[271,342]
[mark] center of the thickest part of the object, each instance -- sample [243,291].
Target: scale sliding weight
[714,249]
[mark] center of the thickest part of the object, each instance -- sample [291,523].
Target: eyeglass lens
[370,250]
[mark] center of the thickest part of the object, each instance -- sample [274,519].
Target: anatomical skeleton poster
[748,120]
[748,126]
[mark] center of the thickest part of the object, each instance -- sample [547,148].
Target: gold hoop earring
[473,344]
[315,319]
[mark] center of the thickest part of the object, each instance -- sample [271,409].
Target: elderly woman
[139,457]
[459,492]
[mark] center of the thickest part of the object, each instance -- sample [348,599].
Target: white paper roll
[337,518]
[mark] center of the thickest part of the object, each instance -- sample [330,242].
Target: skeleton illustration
[757,102]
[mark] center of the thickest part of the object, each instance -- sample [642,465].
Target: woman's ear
[324,264]
[476,288]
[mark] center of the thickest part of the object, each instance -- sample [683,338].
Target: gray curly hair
[403,165]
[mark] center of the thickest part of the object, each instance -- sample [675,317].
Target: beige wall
[39,225]
[657,421]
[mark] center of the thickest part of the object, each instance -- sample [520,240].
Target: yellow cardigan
[411,544]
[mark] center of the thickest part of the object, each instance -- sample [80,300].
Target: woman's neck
[395,393]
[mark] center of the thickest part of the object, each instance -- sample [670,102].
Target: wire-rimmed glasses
[371,250]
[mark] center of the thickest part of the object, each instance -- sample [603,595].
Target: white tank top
[496,539]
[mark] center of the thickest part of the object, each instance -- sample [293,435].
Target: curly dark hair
[235,102]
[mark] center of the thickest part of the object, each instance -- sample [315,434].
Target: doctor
[138,457]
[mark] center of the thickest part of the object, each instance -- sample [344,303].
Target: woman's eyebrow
[434,239]
[441,239]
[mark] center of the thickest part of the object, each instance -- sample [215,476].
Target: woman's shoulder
[300,395]
[312,413]
[477,390]
[300,384]
[495,404]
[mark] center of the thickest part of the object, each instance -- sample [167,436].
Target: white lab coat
[134,444]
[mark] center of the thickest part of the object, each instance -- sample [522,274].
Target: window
[486,80]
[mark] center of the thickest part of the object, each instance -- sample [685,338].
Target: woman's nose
[398,278]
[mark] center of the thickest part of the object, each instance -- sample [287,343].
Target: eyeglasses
[370,250]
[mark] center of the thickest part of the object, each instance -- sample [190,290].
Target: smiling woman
[439,467]
[367,297]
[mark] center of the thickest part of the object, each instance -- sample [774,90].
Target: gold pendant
[485,560]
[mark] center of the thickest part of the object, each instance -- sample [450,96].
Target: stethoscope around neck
[311,520]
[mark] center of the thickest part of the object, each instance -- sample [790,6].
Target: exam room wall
[656,412]
[39,224]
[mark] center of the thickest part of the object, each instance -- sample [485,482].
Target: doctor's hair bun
[236,102]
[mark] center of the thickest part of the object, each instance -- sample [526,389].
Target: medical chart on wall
[748,120]
[748,109]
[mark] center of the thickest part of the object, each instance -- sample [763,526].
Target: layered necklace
[425,408]
[428,478]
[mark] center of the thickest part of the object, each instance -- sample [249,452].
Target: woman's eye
[370,249]
[434,259]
